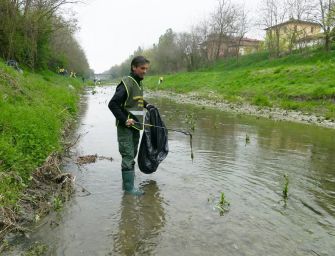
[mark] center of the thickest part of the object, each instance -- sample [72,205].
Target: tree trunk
[218,48]
[277,43]
[327,42]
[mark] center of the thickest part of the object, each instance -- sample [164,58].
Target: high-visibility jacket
[134,104]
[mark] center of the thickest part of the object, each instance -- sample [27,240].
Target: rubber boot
[128,183]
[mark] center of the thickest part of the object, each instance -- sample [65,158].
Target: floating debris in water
[87,159]
[64,177]
[106,158]
[91,159]
[191,140]
[174,130]
[311,208]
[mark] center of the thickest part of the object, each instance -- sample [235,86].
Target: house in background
[229,46]
[244,46]
[283,37]
[294,34]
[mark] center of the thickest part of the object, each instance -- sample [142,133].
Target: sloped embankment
[36,111]
[302,82]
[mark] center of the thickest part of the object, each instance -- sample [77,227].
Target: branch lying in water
[174,130]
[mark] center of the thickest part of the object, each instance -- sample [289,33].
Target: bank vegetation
[39,35]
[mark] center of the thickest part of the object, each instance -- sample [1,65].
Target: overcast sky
[112,29]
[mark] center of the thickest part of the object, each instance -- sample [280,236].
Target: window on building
[312,29]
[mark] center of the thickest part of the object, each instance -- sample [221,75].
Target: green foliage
[37,249]
[123,69]
[166,55]
[57,203]
[223,204]
[66,51]
[38,38]
[286,104]
[301,81]
[174,52]
[261,100]
[10,189]
[330,114]
[5,245]
[34,109]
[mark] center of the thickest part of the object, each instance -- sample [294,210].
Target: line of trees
[36,34]
[228,22]
[196,48]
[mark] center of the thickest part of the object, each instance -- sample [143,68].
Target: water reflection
[141,221]
[306,153]
[253,173]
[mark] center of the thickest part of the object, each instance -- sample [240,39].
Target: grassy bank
[34,111]
[304,82]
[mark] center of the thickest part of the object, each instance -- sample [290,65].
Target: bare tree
[242,27]
[185,50]
[223,23]
[324,14]
[193,46]
[39,16]
[202,31]
[273,13]
[300,9]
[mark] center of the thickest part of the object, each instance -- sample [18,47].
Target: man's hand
[130,122]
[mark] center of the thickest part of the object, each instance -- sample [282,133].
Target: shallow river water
[177,215]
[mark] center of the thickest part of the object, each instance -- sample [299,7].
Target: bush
[261,100]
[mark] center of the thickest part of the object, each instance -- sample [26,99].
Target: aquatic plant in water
[247,139]
[285,190]
[190,120]
[192,155]
[223,204]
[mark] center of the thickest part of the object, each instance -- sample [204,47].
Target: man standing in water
[128,106]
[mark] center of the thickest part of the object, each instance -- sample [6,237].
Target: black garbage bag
[154,144]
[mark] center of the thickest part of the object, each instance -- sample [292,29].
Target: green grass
[34,109]
[303,82]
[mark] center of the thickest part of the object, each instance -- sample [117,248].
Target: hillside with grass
[300,81]
[35,109]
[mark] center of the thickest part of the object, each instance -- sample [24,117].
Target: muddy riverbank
[276,114]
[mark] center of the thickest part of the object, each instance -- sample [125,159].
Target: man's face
[141,70]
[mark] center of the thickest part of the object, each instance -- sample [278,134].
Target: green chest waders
[128,138]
